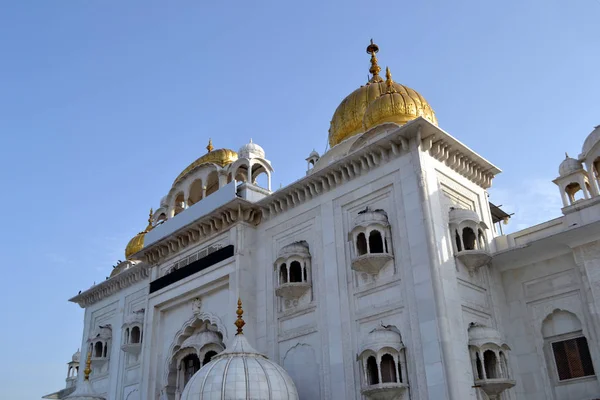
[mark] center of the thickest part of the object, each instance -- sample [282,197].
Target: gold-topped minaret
[239,323]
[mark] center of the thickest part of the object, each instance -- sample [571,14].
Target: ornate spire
[389,82]
[239,323]
[372,49]
[566,155]
[88,367]
[210,146]
[149,227]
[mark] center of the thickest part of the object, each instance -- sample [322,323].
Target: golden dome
[221,157]
[398,104]
[347,119]
[137,242]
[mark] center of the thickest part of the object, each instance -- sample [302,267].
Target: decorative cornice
[431,139]
[209,225]
[123,280]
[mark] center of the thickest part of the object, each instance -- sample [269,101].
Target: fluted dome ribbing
[240,373]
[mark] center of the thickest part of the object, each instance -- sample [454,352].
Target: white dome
[76,356]
[590,141]
[251,150]
[380,338]
[568,166]
[84,391]
[240,373]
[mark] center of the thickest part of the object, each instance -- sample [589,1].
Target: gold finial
[389,82]
[210,146]
[88,367]
[239,323]
[149,227]
[372,49]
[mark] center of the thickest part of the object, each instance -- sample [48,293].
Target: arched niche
[371,241]
[382,359]
[201,334]
[566,347]
[468,233]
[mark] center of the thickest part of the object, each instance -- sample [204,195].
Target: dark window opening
[98,349]
[283,273]
[208,356]
[135,335]
[295,272]
[361,244]
[375,242]
[105,350]
[458,245]
[479,367]
[127,337]
[400,373]
[191,365]
[469,239]
[372,374]
[573,359]
[491,364]
[388,369]
[304,271]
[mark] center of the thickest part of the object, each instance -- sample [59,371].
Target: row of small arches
[295,273]
[376,244]
[468,240]
[391,372]
[494,365]
[133,335]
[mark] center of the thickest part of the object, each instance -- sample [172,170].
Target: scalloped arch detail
[187,329]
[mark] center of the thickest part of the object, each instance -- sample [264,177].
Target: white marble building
[378,275]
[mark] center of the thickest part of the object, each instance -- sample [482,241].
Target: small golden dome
[137,242]
[347,119]
[221,157]
[399,104]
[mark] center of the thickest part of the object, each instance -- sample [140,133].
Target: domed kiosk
[240,373]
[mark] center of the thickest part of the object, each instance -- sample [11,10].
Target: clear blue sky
[103,103]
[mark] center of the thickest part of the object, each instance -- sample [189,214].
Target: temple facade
[380,274]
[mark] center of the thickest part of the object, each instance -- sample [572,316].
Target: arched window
[179,203]
[375,242]
[304,271]
[574,192]
[127,339]
[562,330]
[372,374]
[361,244]
[295,272]
[212,183]
[388,369]
[469,238]
[98,349]
[135,335]
[491,364]
[481,239]
[479,366]
[196,192]
[283,274]
[208,356]
[458,245]
[503,365]
[105,350]
[191,365]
